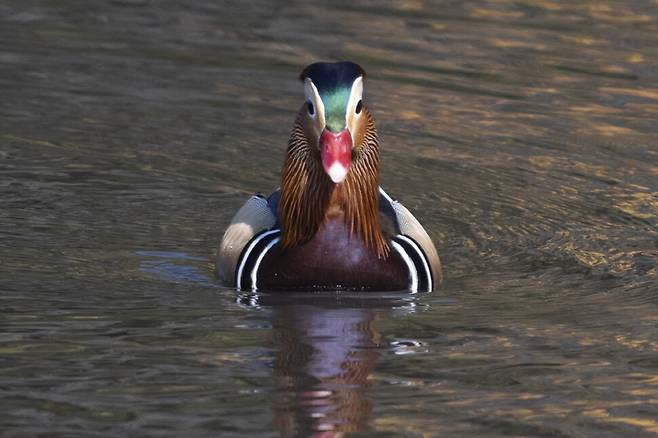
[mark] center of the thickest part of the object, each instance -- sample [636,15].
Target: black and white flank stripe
[420,274]
[246,275]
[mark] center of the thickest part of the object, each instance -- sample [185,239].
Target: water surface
[523,135]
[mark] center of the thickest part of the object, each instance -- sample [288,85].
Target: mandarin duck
[329,226]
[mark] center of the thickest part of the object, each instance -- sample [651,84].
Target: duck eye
[311,110]
[359,105]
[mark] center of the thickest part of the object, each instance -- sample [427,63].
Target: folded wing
[253,217]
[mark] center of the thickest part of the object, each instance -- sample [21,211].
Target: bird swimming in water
[329,226]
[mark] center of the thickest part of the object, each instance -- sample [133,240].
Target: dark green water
[523,134]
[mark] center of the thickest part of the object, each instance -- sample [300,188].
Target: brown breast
[333,259]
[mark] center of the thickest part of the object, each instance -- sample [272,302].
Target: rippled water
[523,134]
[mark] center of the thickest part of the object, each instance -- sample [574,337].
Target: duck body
[330,226]
[251,256]
[332,259]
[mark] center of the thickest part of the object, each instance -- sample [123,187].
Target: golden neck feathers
[309,197]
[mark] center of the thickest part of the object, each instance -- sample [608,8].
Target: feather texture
[254,217]
[308,195]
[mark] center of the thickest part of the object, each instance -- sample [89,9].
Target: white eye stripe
[356,94]
[313,96]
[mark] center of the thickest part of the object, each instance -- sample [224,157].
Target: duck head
[332,161]
[333,114]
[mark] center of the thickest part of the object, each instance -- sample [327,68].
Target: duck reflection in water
[323,362]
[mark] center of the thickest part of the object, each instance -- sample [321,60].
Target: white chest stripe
[385,195]
[413,244]
[245,256]
[254,272]
[413,287]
